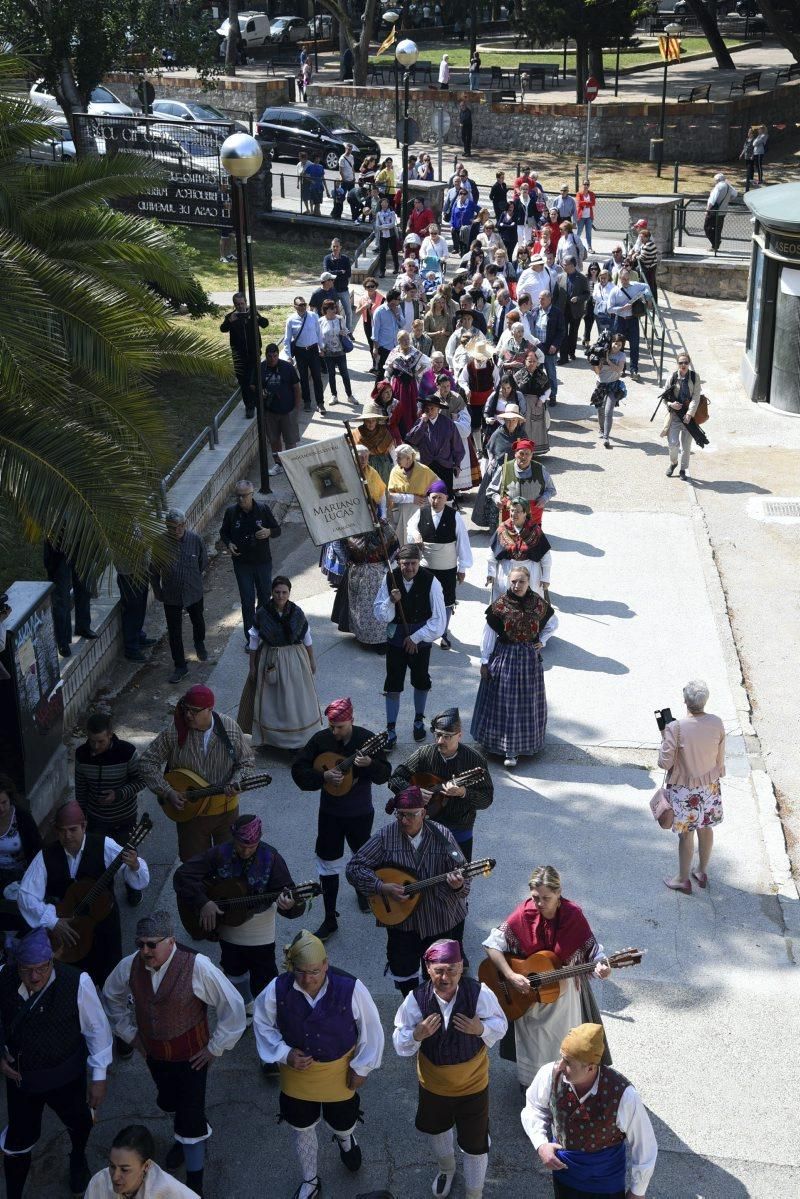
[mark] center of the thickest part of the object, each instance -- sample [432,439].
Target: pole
[675,170]
[588,123]
[404,211]
[662,121]
[316,55]
[236,216]
[616,73]
[441,145]
[564,71]
[263,451]
[396,105]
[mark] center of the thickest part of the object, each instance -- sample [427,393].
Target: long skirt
[485,512]
[406,393]
[286,710]
[352,608]
[383,464]
[469,473]
[400,515]
[536,424]
[510,714]
[539,1033]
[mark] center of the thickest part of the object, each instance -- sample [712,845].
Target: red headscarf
[70,813]
[444,951]
[567,935]
[524,444]
[196,697]
[339,710]
[406,801]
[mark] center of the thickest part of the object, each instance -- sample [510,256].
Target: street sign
[413,131]
[441,122]
[590,89]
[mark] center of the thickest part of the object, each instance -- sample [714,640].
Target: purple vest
[325,1032]
[450,1047]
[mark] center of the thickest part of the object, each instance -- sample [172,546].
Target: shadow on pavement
[570,545]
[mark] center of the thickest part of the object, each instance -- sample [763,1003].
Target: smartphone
[663,718]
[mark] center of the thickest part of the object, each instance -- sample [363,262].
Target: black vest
[449,1047]
[446,532]
[416,602]
[47,1043]
[92,865]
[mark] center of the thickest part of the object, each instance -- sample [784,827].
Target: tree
[360,48]
[784,21]
[84,335]
[232,41]
[706,14]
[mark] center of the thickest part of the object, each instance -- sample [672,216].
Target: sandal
[315,1194]
[701,878]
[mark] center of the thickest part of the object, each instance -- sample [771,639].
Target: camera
[663,718]
[597,352]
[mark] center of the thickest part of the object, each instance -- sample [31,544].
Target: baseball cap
[640,225]
[325,276]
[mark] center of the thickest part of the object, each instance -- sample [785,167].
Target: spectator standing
[340,266]
[499,193]
[570,246]
[334,331]
[749,157]
[62,574]
[386,324]
[474,73]
[325,291]
[571,295]
[550,328]
[585,201]
[567,209]
[462,215]
[317,184]
[465,122]
[419,219]
[592,276]
[719,198]
[386,235]
[347,167]
[302,341]
[600,294]
[303,181]
[444,74]
[239,327]
[280,384]
[646,253]
[133,593]
[246,531]
[759,150]
[609,389]
[626,320]
[347,66]
[179,586]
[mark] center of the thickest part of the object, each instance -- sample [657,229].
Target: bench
[423,70]
[751,80]
[376,74]
[787,74]
[696,93]
[538,70]
[506,95]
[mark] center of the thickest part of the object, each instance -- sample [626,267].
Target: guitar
[88,901]
[238,905]
[198,793]
[436,785]
[544,972]
[389,911]
[330,760]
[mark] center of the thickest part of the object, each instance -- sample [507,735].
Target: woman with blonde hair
[438,322]
[408,488]
[546,921]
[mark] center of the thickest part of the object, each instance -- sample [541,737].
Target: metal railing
[737,225]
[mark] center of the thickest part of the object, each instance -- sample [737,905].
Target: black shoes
[670,470]
[351,1158]
[328,927]
[135,655]
[682,474]
[65,651]
[419,730]
[445,642]
[89,634]
[249,413]
[180,672]
[201,651]
[79,1173]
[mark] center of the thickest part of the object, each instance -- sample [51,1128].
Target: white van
[253,26]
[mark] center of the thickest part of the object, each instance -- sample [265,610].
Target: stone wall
[227,92]
[717,278]
[694,132]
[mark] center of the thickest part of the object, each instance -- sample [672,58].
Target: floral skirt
[695,807]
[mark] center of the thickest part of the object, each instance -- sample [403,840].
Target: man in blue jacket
[550,327]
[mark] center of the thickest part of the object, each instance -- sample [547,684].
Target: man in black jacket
[550,327]
[465,121]
[247,528]
[239,327]
[571,295]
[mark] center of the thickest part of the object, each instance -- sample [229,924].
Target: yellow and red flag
[384,46]
[669,48]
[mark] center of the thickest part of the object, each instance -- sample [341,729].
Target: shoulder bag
[701,413]
[295,340]
[344,338]
[638,306]
[660,804]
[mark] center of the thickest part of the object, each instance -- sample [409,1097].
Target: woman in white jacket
[132,1173]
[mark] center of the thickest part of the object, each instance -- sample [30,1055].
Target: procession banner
[328,487]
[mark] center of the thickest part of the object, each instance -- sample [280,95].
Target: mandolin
[387,910]
[434,784]
[88,901]
[238,905]
[545,973]
[199,793]
[333,761]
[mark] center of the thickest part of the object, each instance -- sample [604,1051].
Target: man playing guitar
[248,949]
[451,805]
[342,816]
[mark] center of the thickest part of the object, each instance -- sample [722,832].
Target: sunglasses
[149,944]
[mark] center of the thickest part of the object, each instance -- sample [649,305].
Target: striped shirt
[206,756]
[440,908]
[117,770]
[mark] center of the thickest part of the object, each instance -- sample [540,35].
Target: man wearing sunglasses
[171,989]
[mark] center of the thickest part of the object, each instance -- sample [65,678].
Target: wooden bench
[423,70]
[539,70]
[696,93]
[751,80]
[787,74]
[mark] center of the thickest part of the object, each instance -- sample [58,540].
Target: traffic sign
[414,134]
[441,122]
[590,89]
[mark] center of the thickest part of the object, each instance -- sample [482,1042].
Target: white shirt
[33,887]
[383,609]
[408,1016]
[444,72]
[94,1024]
[489,638]
[209,985]
[434,248]
[463,550]
[369,1045]
[347,168]
[532,283]
[721,195]
[632,1120]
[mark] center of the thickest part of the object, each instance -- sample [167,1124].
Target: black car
[317,131]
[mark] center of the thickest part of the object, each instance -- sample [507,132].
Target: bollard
[675,178]
[577,176]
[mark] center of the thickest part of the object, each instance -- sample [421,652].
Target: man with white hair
[719,198]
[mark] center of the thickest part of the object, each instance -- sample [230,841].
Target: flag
[389,41]
[670,48]
[329,490]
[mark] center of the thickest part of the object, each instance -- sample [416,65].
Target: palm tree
[87,325]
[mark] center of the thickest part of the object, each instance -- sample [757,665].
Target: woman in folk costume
[449,1023]
[510,715]
[404,368]
[383,399]
[132,1171]
[521,478]
[469,472]
[286,707]
[372,431]
[519,541]
[365,554]
[531,379]
[478,378]
[408,488]
[546,921]
[500,446]
[322,1028]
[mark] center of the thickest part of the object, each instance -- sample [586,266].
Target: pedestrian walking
[474,71]
[585,201]
[626,303]
[247,529]
[340,266]
[179,586]
[759,150]
[302,341]
[133,592]
[551,329]
[283,397]
[683,392]
[67,586]
[444,73]
[571,295]
[465,124]
[335,340]
[749,157]
[239,327]
[386,225]
[609,389]
[719,199]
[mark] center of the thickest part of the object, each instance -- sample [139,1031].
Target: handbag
[660,804]
[701,415]
[638,307]
[347,343]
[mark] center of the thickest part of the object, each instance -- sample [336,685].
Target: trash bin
[291,89]
[656,149]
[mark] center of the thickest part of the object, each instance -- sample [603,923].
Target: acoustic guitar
[389,911]
[544,972]
[198,793]
[436,784]
[330,760]
[88,901]
[238,905]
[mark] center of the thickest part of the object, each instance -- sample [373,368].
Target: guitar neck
[104,881]
[248,901]
[552,976]
[466,872]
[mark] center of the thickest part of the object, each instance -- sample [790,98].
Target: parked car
[290,129]
[192,112]
[289,29]
[253,26]
[103,103]
[324,27]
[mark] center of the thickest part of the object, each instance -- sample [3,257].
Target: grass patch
[507,59]
[275,264]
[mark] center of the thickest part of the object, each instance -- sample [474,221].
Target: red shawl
[567,935]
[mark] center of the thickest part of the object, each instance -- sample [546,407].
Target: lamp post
[406,54]
[241,156]
[316,32]
[670,30]
[391,17]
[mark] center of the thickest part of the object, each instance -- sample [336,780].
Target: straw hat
[372,412]
[510,412]
[479,349]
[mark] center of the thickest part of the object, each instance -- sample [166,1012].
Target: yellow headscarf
[585,1043]
[304,952]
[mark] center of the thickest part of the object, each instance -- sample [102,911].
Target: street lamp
[670,30]
[241,156]
[406,54]
[391,17]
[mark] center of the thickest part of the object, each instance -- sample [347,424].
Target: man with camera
[247,527]
[239,327]
[283,399]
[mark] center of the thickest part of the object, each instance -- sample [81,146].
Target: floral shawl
[517,620]
[527,544]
